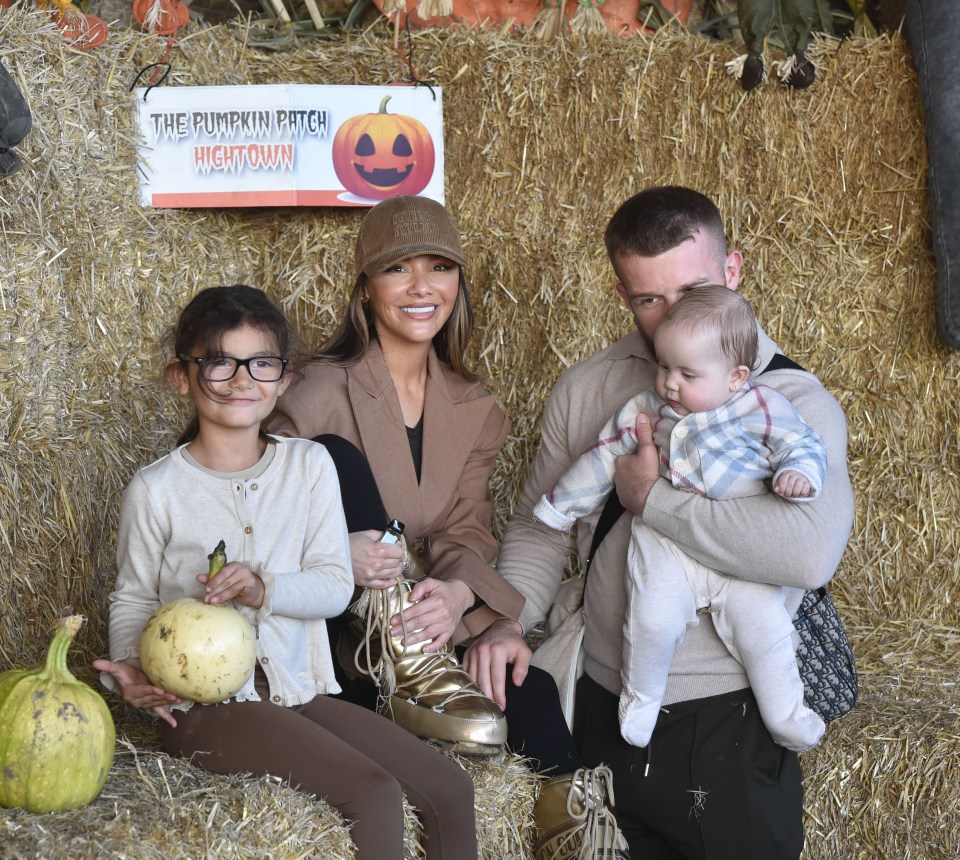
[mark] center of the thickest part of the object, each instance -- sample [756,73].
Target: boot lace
[601,834]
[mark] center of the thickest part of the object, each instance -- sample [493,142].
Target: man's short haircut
[661,218]
[721,313]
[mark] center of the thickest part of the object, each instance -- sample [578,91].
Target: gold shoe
[430,695]
[573,818]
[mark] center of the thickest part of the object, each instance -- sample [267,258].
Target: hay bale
[883,782]
[824,190]
[163,808]
[160,808]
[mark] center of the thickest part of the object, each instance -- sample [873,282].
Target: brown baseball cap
[406,226]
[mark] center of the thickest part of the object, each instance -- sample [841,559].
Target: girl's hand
[137,690]
[375,564]
[434,612]
[234,581]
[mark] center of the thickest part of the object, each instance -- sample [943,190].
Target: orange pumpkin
[620,15]
[475,13]
[169,16]
[380,155]
[83,31]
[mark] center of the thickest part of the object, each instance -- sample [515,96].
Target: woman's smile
[420,310]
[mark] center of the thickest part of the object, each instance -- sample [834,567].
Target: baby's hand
[235,580]
[792,485]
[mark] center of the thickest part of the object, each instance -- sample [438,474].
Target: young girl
[276,504]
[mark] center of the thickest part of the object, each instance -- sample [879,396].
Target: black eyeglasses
[262,368]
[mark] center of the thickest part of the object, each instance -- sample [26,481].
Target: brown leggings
[356,760]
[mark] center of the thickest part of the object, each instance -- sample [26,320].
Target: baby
[725,437]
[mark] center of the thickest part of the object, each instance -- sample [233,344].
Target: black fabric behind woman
[363,509]
[362,505]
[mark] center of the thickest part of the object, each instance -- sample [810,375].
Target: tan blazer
[451,508]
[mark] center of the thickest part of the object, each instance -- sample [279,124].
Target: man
[712,784]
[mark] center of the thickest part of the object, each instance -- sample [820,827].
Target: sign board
[288,145]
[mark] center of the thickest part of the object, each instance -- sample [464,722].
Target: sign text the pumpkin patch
[288,144]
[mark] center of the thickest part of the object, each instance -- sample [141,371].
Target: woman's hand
[234,581]
[375,564]
[137,690]
[435,611]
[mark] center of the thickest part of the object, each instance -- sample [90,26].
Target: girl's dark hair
[212,313]
[348,344]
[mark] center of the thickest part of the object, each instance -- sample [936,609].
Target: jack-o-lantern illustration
[380,155]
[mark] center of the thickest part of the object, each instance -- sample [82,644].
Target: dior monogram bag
[825,657]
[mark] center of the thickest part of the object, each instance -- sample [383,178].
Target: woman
[393,381]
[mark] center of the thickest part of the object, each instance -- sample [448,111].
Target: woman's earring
[364,299]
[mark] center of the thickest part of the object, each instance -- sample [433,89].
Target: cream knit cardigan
[286,524]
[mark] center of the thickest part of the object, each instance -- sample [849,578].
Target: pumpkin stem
[383,104]
[218,558]
[55,666]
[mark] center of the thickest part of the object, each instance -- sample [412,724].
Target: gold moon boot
[430,695]
[574,821]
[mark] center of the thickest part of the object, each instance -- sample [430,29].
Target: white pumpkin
[198,651]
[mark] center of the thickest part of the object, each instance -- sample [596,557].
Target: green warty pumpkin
[56,734]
